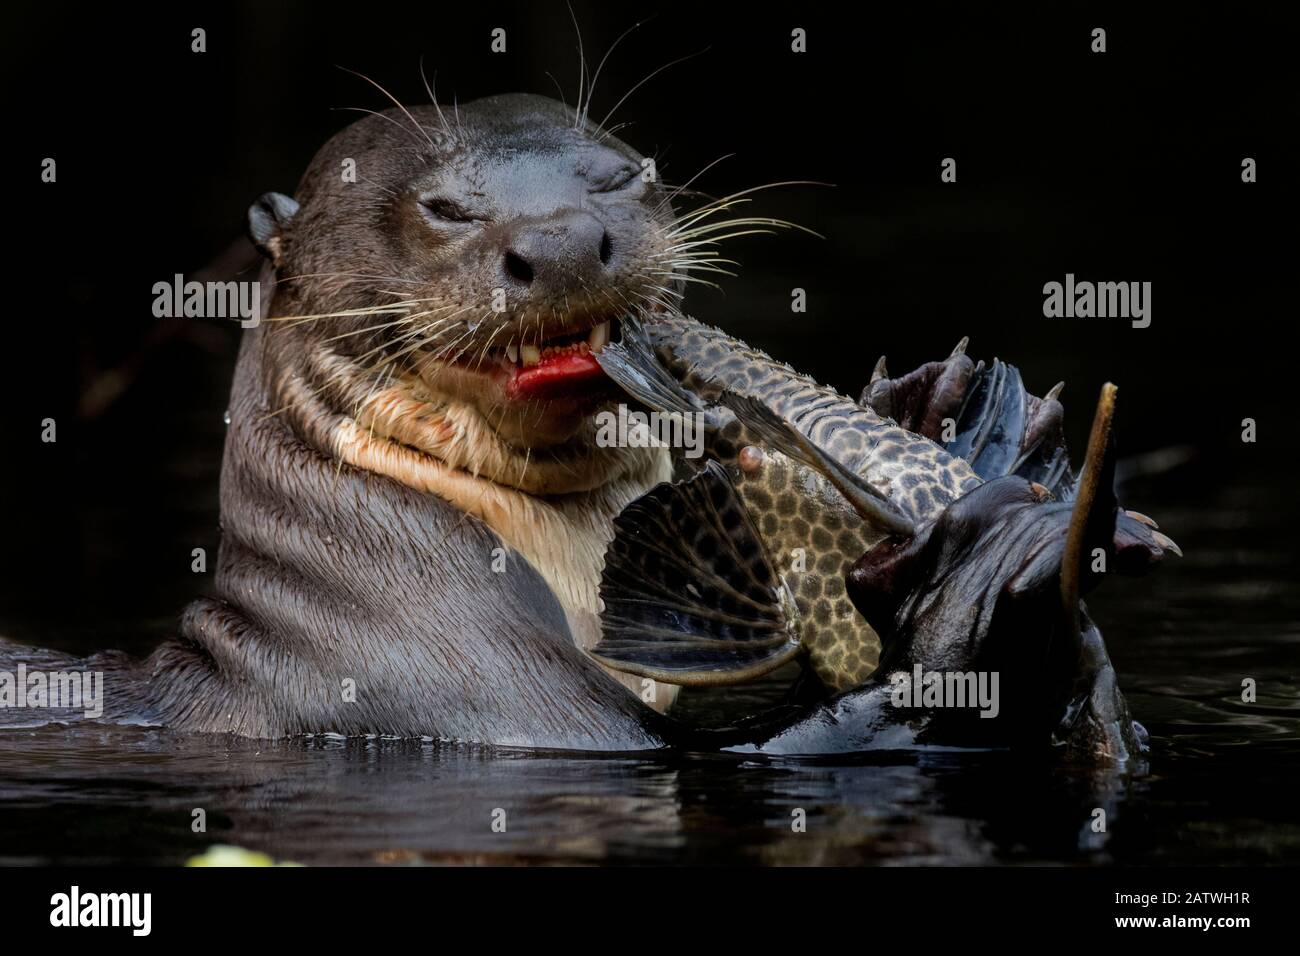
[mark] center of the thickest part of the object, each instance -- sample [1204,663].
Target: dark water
[1217,788]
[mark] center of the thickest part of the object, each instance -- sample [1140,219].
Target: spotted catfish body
[914,473]
[817,478]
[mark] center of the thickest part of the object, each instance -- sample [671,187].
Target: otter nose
[554,252]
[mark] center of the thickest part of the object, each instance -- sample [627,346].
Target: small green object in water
[222,855]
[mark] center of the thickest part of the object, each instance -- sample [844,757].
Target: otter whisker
[342,313]
[383,116]
[695,280]
[676,192]
[725,200]
[582,64]
[601,124]
[558,88]
[423,131]
[487,346]
[663,303]
[616,127]
[442,352]
[708,257]
[678,272]
[703,266]
[687,239]
[368,328]
[699,226]
[584,111]
[350,275]
[416,331]
[416,339]
[388,189]
[431,89]
[659,289]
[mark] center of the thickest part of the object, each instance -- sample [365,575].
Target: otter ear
[268,218]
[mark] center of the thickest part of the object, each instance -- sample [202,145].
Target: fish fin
[992,423]
[691,595]
[769,428]
[632,363]
[998,426]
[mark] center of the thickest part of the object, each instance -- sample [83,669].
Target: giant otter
[415,506]
[412,498]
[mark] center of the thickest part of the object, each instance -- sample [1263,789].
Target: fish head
[978,591]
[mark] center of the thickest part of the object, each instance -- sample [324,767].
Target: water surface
[1217,787]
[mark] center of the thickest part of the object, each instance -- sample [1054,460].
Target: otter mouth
[556,367]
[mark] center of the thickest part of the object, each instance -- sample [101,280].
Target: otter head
[442,280]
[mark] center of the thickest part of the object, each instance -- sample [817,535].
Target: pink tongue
[556,374]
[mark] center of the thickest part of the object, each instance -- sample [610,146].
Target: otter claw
[1144,519]
[1055,393]
[960,348]
[1167,543]
[879,372]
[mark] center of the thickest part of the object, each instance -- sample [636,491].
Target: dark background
[1120,166]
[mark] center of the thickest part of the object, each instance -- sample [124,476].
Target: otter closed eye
[449,210]
[617,180]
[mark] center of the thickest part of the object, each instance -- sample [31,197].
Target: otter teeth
[527,356]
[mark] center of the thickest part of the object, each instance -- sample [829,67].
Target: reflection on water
[1216,788]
